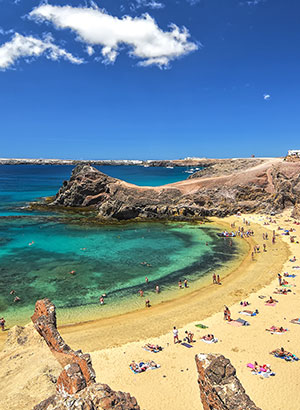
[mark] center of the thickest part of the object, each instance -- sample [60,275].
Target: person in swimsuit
[2,324]
[175,335]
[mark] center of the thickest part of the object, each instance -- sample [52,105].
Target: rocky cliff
[220,389]
[76,386]
[263,186]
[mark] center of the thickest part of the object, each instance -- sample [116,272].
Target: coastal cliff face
[76,386]
[220,389]
[246,186]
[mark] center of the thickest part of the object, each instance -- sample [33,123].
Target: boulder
[220,389]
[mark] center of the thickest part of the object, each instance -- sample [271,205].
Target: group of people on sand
[216,279]
[189,336]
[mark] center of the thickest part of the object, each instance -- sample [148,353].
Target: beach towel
[292,358]
[242,312]
[295,321]
[290,276]
[235,323]
[151,350]
[271,304]
[186,345]
[274,332]
[215,340]
[201,326]
[243,322]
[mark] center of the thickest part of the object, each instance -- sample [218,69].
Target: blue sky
[213,78]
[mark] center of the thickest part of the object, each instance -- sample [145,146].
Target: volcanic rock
[250,185]
[220,389]
[76,386]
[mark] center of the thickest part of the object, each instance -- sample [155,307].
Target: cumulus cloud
[93,26]
[267,97]
[23,47]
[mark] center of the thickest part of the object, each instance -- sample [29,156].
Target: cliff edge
[245,186]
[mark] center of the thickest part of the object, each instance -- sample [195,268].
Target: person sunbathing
[134,366]
[276,329]
[208,338]
[189,336]
[153,348]
[282,353]
[151,363]
[271,300]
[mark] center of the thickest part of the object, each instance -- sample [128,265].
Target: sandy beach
[115,342]
[175,382]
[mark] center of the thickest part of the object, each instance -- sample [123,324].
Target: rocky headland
[221,189]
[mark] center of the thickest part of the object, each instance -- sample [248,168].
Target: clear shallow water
[107,259]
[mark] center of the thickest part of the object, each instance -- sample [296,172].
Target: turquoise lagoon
[38,250]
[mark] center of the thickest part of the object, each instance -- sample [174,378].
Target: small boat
[170,167]
[226,234]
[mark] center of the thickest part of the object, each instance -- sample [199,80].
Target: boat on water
[226,234]
[170,167]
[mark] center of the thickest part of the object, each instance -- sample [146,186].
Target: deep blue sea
[39,249]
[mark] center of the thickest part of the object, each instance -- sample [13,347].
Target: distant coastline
[148,163]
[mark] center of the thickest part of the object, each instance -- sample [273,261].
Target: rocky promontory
[250,185]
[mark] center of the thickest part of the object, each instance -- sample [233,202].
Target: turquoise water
[37,252]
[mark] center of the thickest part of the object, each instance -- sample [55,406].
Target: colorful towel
[201,326]
[270,304]
[215,340]
[186,345]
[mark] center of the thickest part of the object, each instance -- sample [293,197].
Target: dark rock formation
[220,389]
[76,385]
[268,186]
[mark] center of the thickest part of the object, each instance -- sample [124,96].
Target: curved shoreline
[248,277]
[103,333]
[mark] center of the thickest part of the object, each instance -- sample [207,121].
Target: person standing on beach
[157,290]
[146,280]
[185,283]
[279,279]
[218,280]
[141,293]
[175,335]
[2,324]
[180,284]
[214,279]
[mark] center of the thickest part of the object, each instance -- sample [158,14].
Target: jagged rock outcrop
[269,186]
[220,389]
[76,386]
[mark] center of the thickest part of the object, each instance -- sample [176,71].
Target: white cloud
[142,35]
[267,97]
[90,50]
[151,4]
[23,47]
